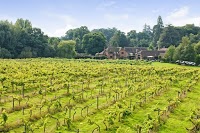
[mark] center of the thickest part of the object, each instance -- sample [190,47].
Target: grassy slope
[158,64]
[179,119]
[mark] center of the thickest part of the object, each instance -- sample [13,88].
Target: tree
[143,39]
[147,30]
[177,53]
[4,53]
[69,35]
[108,33]
[189,53]
[170,53]
[143,43]
[190,29]
[197,52]
[38,41]
[132,34]
[185,51]
[197,48]
[119,40]
[7,37]
[77,35]
[26,53]
[94,43]
[169,36]
[49,51]
[151,46]
[53,41]
[197,59]
[23,24]
[157,30]
[27,36]
[194,38]
[66,49]
[132,38]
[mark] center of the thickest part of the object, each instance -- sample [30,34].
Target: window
[122,52]
[110,56]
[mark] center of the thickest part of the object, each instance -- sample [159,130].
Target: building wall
[111,55]
[123,53]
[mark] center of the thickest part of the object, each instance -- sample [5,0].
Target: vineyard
[90,96]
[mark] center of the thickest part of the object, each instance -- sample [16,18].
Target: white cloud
[115,17]
[180,17]
[59,32]
[64,23]
[62,31]
[179,13]
[66,18]
[106,4]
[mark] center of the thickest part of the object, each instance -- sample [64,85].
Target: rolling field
[90,96]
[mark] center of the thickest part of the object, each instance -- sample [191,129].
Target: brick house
[145,54]
[131,53]
[110,52]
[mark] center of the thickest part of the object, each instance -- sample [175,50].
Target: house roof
[134,49]
[113,49]
[153,53]
[163,49]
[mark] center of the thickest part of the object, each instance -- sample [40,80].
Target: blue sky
[55,17]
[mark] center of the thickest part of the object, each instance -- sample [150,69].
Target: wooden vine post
[23,87]
[158,110]
[97,102]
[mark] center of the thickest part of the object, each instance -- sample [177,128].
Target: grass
[179,120]
[159,64]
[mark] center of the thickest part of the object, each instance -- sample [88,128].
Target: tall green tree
[23,24]
[157,30]
[132,38]
[119,40]
[169,36]
[143,39]
[197,52]
[7,37]
[77,35]
[94,42]
[148,31]
[53,41]
[26,53]
[27,36]
[194,38]
[170,53]
[21,40]
[4,53]
[197,48]
[66,49]
[108,33]
[185,51]
[190,29]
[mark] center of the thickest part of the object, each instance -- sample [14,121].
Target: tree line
[21,40]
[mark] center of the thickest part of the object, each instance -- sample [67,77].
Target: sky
[55,17]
